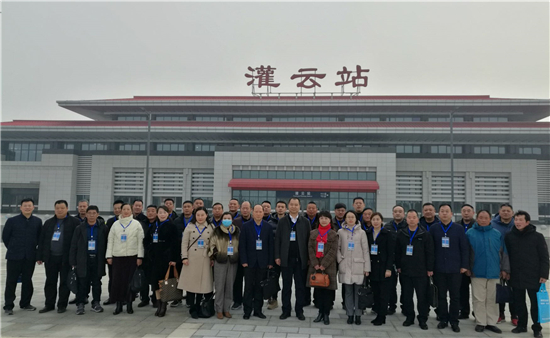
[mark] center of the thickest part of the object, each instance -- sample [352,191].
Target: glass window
[334,175]
[254,174]
[308,175]
[263,173]
[298,175]
[362,176]
[280,175]
[237,174]
[344,175]
[316,175]
[325,175]
[272,174]
[289,175]
[29,152]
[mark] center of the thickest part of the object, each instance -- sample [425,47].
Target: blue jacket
[20,236]
[502,227]
[247,245]
[457,255]
[487,252]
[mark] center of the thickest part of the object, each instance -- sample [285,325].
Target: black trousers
[521,308]
[195,299]
[448,282]
[57,269]
[238,285]
[110,273]
[277,268]
[92,279]
[14,269]
[294,271]
[465,294]
[381,292]
[418,285]
[324,299]
[253,296]
[502,307]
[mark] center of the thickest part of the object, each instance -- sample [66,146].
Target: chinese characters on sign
[264,76]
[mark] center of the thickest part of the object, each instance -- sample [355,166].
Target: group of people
[218,252]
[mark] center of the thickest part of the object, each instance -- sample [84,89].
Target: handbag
[72,283]
[319,279]
[366,297]
[270,285]
[433,298]
[139,281]
[207,307]
[543,304]
[504,293]
[168,287]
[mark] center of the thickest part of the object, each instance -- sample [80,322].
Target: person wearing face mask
[224,251]
[161,244]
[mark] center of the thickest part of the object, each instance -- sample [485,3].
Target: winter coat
[328,260]
[422,259]
[456,256]
[220,241]
[353,263]
[487,253]
[134,239]
[386,254]
[45,242]
[196,277]
[79,248]
[502,227]
[247,245]
[159,255]
[425,224]
[528,254]
[20,236]
[282,239]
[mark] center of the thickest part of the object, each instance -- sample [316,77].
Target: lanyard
[323,235]
[200,232]
[293,224]
[258,228]
[185,223]
[414,233]
[376,236]
[445,230]
[236,215]
[339,223]
[159,225]
[365,226]
[352,231]
[59,222]
[394,225]
[124,227]
[312,221]
[466,227]
[217,224]
[92,230]
[268,217]
[229,233]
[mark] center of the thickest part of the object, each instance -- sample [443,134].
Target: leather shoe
[326,320]
[143,303]
[107,302]
[423,326]
[46,309]
[246,316]
[493,328]
[61,309]
[284,315]
[464,315]
[350,320]
[391,311]
[227,315]
[479,328]
[519,329]
[259,315]
[357,320]
[455,328]
[442,325]
[408,322]
[537,334]
[319,318]
[300,316]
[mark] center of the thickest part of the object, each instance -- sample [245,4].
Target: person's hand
[430,273]
[39,262]
[185,262]
[110,261]
[542,280]
[388,274]
[468,273]
[398,270]
[504,275]
[317,267]
[172,263]
[278,261]
[211,263]
[322,268]
[366,273]
[245,265]
[139,261]
[74,266]
[270,266]
[463,270]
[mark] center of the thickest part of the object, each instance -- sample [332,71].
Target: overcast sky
[82,51]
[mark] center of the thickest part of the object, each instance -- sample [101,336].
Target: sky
[86,51]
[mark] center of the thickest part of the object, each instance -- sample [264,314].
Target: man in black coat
[291,254]
[467,221]
[87,257]
[53,249]
[256,257]
[394,226]
[238,285]
[414,259]
[529,267]
[20,236]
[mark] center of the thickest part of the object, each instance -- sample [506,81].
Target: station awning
[303,185]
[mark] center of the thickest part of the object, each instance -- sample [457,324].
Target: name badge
[123,238]
[320,247]
[445,242]
[409,250]
[91,245]
[56,236]
[230,250]
[374,249]
[200,243]
[351,246]
[259,244]
[293,236]
[155,238]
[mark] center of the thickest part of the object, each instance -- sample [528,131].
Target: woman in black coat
[382,252]
[161,245]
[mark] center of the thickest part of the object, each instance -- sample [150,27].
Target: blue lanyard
[445,230]
[92,231]
[339,223]
[324,234]
[364,226]
[185,223]
[258,228]
[466,227]
[124,227]
[229,233]
[361,218]
[414,233]
[312,221]
[352,231]
[293,224]
[217,224]
[394,225]
[159,225]
[376,237]
[60,222]
[236,215]
[268,217]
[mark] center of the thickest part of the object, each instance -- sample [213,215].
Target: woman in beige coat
[354,263]
[196,273]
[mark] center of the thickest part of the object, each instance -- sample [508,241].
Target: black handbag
[504,292]
[72,283]
[366,297]
[139,281]
[433,299]
[207,306]
[270,285]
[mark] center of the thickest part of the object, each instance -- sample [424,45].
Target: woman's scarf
[323,230]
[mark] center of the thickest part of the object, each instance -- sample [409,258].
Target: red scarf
[322,239]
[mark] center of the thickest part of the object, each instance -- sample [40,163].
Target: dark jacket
[44,243]
[173,215]
[457,255]
[386,254]
[79,248]
[247,245]
[528,254]
[141,217]
[469,226]
[159,255]
[219,242]
[395,227]
[422,259]
[313,223]
[282,239]
[335,225]
[110,223]
[20,236]
[239,221]
[426,225]
[502,227]
[181,224]
[272,219]
[329,257]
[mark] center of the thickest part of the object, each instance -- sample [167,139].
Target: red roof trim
[303,185]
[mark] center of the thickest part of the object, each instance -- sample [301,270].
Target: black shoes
[28,308]
[408,322]
[479,328]
[80,309]
[357,320]
[379,320]
[300,316]
[107,302]
[455,328]
[129,308]
[284,315]
[464,315]
[162,308]
[442,325]
[61,309]
[9,312]
[118,308]
[259,315]
[143,303]
[493,328]
[519,329]
[391,311]
[537,334]
[326,320]
[46,309]
[245,316]
[350,320]
[319,318]
[423,326]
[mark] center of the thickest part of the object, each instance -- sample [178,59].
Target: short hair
[255,205]
[118,202]
[151,206]
[123,204]
[325,213]
[358,198]
[168,199]
[163,207]
[396,206]
[266,202]
[246,202]
[92,207]
[367,208]
[311,202]
[234,199]
[294,198]
[187,202]
[227,213]
[198,199]
[377,214]
[61,202]
[466,205]
[28,199]
[283,202]
[505,205]
[427,204]
[412,210]
[484,211]
[340,206]
[137,200]
[524,214]
[217,203]
[87,202]
[350,212]
[445,205]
